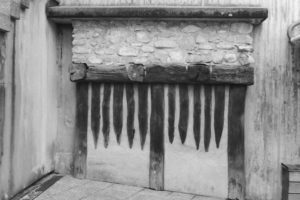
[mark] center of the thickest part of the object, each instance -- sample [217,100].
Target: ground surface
[69,188]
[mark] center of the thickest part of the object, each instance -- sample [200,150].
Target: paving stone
[119,192]
[180,196]
[206,198]
[151,195]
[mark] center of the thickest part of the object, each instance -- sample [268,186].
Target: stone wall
[113,42]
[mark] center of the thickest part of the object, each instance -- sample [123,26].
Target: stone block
[95,60]
[165,43]
[230,58]
[147,49]
[243,28]
[143,37]
[225,46]
[201,39]
[128,52]
[177,57]
[190,29]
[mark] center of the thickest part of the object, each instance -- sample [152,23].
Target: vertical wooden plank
[2,118]
[197,114]
[171,116]
[207,119]
[143,112]
[2,93]
[105,113]
[285,182]
[219,112]
[80,145]
[184,111]
[236,149]
[130,113]
[118,110]
[95,112]
[156,177]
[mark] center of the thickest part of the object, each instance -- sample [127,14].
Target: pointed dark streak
[143,112]
[105,113]
[197,114]
[130,113]
[219,112]
[171,117]
[184,112]
[118,110]
[207,119]
[95,112]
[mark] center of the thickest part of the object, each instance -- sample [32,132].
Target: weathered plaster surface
[112,42]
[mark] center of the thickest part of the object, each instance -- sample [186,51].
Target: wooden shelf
[65,14]
[196,73]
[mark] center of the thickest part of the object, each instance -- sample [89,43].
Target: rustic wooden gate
[194,118]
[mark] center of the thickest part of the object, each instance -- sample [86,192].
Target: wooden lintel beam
[155,73]
[65,14]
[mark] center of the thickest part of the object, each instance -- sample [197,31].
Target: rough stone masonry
[127,41]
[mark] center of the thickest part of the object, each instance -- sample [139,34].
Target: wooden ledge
[65,14]
[174,73]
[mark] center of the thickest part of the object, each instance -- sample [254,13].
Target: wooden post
[236,147]
[156,178]
[80,146]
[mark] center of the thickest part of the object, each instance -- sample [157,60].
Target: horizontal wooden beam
[65,14]
[155,73]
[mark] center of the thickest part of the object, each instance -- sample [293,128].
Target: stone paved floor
[69,188]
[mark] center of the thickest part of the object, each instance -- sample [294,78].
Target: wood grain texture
[285,182]
[156,176]
[95,112]
[118,110]
[80,143]
[207,114]
[219,113]
[197,115]
[236,148]
[130,113]
[183,112]
[143,112]
[105,113]
[163,73]
[250,15]
[2,120]
[2,93]
[171,114]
